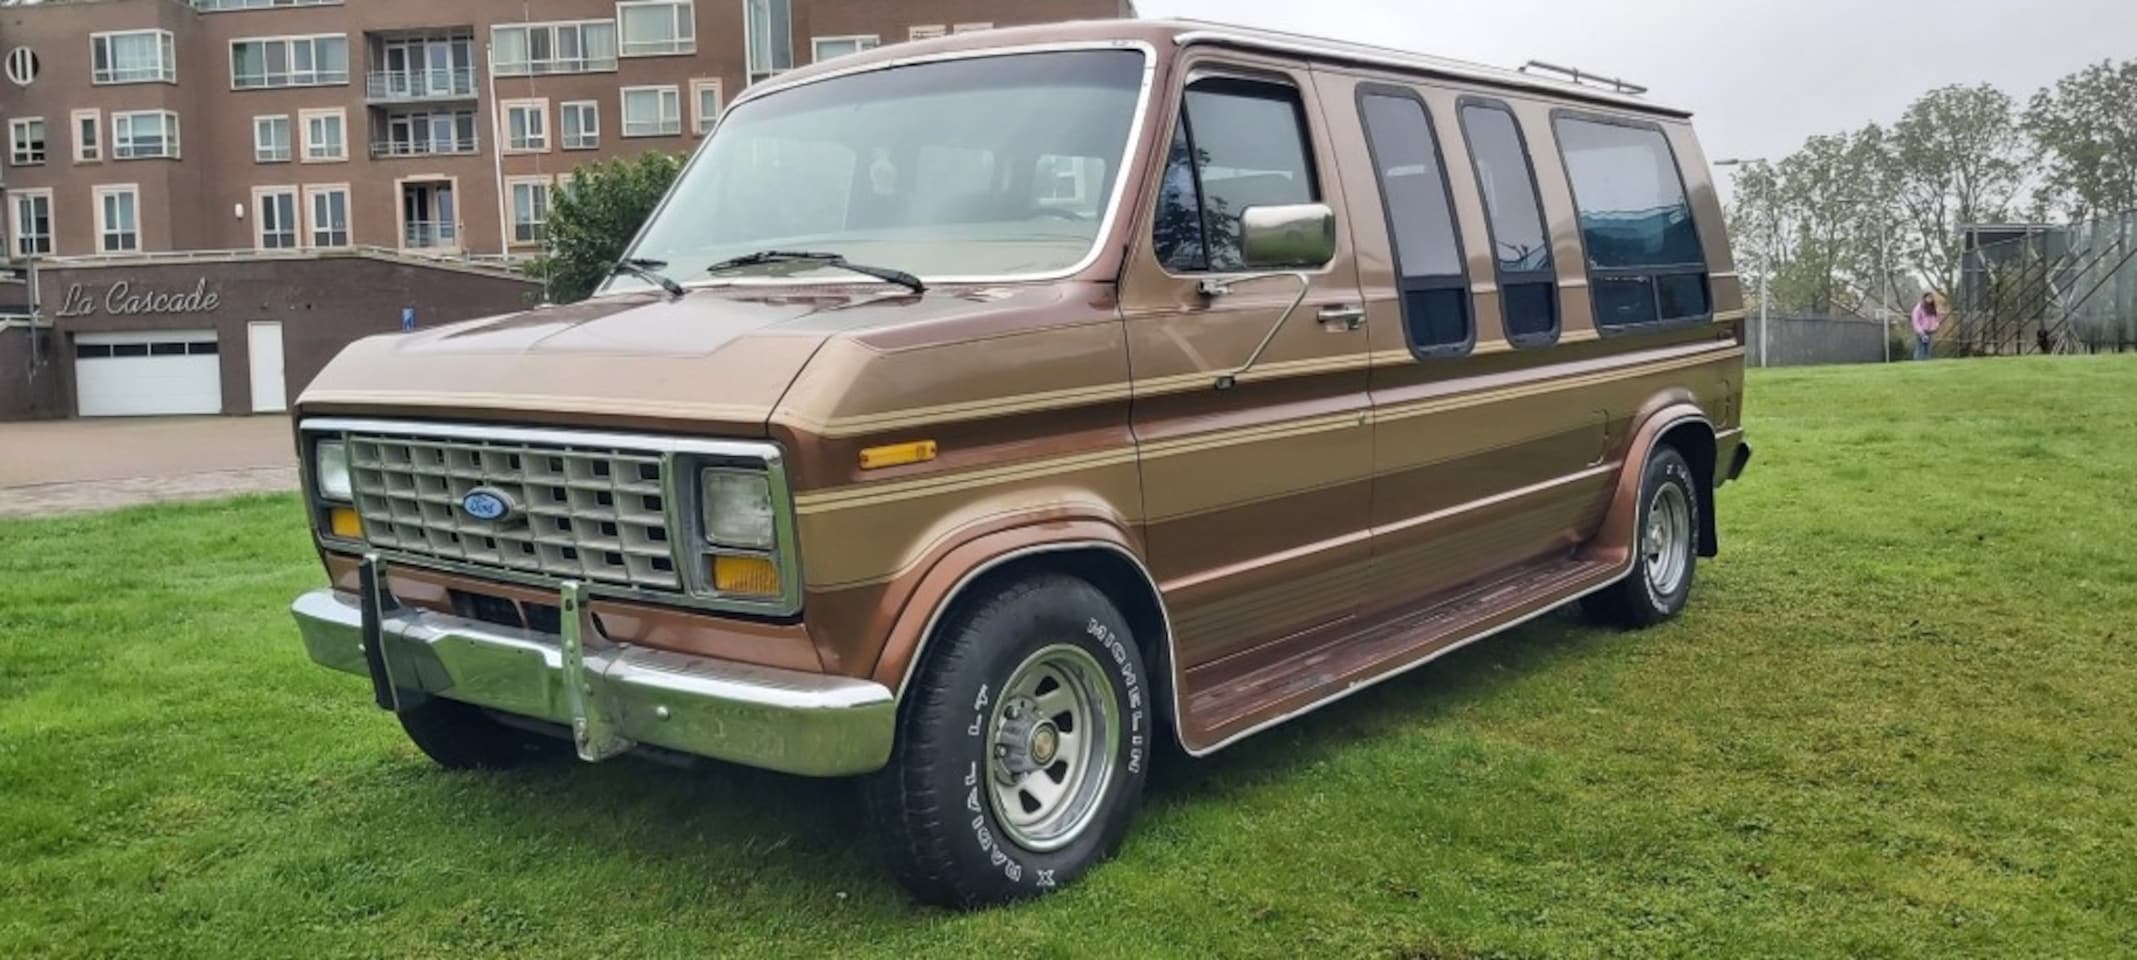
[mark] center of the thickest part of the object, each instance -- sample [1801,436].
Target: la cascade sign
[123,299]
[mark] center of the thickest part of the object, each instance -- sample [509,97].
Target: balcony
[450,147]
[430,235]
[418,86]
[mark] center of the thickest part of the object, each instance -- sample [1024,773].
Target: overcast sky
[1761,74]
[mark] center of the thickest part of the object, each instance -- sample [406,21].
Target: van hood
[717,360]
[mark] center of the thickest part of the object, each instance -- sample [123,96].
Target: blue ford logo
[488,504]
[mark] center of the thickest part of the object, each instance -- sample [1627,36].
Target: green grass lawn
[1900,719]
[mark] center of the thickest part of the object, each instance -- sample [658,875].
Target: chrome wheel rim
[1052,744]
[1666,544]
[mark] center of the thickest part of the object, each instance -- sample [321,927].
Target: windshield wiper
[898,277]
[649,271]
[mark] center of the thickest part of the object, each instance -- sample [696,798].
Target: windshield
[984,167]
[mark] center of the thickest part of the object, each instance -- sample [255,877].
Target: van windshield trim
[1138,121]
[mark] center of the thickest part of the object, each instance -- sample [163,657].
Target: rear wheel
[1023,744]
[1665,548]
[459,736]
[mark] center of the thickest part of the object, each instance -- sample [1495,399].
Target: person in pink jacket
[1926,322]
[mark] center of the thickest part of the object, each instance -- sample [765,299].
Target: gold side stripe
[923,416]
[871,494]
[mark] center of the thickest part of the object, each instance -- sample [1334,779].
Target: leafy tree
[1824,216]
[593,220]
[2086,126]
[1957,157]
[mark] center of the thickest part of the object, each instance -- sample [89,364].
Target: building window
[263,62]
[1645,264]
[32,226]
[26,141]
[827,47]
[1239,144]
[526,126]
[530,209]
[424,134]
[705,105]
[1528,280]
[330,215]
[652,111]
[928,32]
[275,213]
[1432,282]
[770,24]
[23,66]
[536,48]
[657,27]
[144,134]
[971,27]
[422,67]
[117,219]
[270,139]
[88,136]
[325,135]
[581,120]
[135,56]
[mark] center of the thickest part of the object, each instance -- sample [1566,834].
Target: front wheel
[1665,548]
[1023,744]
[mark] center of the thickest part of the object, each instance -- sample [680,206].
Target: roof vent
[1583,78]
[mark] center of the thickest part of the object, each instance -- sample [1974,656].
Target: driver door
[1257,495]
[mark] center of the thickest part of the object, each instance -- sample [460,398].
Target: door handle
[1342,319]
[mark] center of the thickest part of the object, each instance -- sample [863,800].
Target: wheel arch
[1097,553]
[1676,422]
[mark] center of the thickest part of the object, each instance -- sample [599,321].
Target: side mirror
[1290,235]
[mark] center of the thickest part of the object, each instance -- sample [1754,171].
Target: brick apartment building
[412,129]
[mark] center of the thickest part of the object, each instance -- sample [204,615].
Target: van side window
[1420,213]
[1239,144]
[1645,264]
[1528,282]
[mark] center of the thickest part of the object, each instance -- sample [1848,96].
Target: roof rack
[1584,78]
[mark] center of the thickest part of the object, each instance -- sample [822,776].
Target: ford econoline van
[996,417]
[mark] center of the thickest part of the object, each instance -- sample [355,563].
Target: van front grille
[570,512]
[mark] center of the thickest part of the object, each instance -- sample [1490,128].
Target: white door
[145,373]
[263,345]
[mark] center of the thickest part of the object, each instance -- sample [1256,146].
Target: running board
[1247,693]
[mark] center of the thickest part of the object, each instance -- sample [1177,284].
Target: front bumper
[613,697]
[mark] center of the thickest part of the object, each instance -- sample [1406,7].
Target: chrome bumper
[613,697]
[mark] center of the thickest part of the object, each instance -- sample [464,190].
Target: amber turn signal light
[897,455]
[746,576]
[344,523]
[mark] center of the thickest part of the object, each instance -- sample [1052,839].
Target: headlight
[738,509]
[330,468]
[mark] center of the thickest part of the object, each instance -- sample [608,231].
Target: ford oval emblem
[488,504]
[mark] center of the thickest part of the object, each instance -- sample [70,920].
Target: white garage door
[144,373]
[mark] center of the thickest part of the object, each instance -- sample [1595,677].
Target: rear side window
[1420,214]
[1239,144]
[1521,247]
[1644,260]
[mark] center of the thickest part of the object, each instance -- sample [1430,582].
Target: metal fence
[1802,341]
[2069,289]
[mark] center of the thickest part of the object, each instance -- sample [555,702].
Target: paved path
[70,466]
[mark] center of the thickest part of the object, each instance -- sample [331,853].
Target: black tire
[1638,601]
[460,736]
[935,804]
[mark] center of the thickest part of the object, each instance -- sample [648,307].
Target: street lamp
[1773,239]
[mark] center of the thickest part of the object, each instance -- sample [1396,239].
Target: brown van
[982,415]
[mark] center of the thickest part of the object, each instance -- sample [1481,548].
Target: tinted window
[1643,248]
[1521,247]
[1240,144]
[1413,187]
